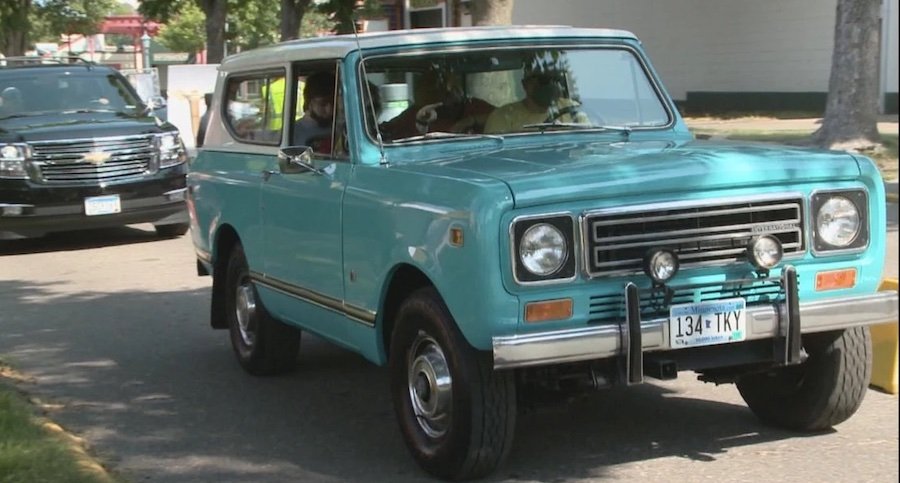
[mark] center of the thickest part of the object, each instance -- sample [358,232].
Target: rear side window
[254,107]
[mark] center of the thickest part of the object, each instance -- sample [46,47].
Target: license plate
[707,323]
[102,205]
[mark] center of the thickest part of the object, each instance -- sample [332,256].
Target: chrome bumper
[762,322]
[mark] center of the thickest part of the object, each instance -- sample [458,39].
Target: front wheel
[263,345]
[823,391]
[456,414]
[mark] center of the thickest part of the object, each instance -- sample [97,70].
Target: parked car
[537,217]
[78,149]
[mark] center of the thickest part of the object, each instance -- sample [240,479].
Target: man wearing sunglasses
[545,101]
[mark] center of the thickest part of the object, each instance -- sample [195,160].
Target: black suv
[79,149]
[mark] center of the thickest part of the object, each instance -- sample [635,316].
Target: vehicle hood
[571,171]
[53,126]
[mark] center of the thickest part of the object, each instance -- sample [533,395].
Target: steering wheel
[568,110]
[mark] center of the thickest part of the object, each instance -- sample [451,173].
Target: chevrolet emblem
[96,157]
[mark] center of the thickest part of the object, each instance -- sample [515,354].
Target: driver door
[301,210]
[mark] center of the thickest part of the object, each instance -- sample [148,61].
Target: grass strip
[32,450]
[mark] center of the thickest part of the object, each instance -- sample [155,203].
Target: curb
[885,350]
[77,447]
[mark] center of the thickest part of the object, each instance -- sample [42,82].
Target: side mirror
[157,102]
[296,159]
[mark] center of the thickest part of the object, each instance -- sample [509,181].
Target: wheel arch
[403,280]
[225,239]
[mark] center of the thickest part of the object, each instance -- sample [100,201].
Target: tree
[215,12]
[184,33]
[491,12]
[851,111]
[292,12]
[14,26]
[344,12]
[75,16]
[252,24]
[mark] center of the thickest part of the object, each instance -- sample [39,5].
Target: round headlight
[542,249]
[661,265]
[765,252]
[10,152]
[837,222]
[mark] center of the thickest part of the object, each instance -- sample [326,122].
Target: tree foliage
[184,32]
[75,16]
[344,12]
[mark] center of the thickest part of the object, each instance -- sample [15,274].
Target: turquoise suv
[487,211]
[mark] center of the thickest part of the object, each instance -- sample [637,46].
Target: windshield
[511,91]
[34,93]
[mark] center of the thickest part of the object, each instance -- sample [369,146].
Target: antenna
[368,88]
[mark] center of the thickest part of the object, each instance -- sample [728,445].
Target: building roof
[338,46]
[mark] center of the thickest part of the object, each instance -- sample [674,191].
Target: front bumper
[769,321]
[26,220]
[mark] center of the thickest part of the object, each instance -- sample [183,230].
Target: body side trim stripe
[357,314]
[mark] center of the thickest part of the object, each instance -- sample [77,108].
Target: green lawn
[30,453]
[886,158]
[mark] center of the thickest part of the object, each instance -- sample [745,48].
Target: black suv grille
[616,242]
[94,160]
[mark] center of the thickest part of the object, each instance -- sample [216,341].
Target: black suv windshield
[36,91]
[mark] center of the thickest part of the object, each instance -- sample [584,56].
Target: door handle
[267,173]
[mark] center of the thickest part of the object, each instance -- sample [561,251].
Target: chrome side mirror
[296,159]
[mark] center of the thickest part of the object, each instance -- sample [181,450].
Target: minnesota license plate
[102,205]
[707,323]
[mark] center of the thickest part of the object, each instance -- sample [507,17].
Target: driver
[544,83]
[318,111]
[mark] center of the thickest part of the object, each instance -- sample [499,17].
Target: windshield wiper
[82,111]
[445,135]
[543,126]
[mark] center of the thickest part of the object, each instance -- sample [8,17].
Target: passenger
[440,104]
[545,85]
[318,113]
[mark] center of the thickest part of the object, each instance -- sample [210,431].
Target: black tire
[475,433]
[823,391]
[263,346]
[171,231]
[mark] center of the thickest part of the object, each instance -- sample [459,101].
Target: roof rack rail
[34,60]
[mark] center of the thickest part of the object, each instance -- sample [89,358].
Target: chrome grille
[617,241]
[64,162]
[655,302]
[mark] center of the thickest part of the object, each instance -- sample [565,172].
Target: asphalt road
[112,328]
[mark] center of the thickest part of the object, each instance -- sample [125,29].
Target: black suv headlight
[841,220]
[171,149]
[12,160]
[543,248]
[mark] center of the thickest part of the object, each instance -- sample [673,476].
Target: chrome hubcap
[430,385]
[245,312]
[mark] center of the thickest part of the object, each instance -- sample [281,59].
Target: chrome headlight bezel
[565,225]
[14,155]
[818,200]
[170,149]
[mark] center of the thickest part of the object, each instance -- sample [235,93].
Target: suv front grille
[616,242]
[94,160]
[655,302]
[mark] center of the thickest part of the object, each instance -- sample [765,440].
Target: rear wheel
[823,391]
[263,345]
[456,414]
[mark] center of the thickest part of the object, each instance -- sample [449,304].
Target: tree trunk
[292,12]
[216,12]
[851,113]
[491,12]
[14,27]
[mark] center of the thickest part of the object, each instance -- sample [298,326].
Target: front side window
[254,107]
[513,91]
[318,120]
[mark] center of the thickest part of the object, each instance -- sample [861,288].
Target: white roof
[338,46]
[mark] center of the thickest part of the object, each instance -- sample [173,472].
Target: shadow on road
[159,395]
[79,240]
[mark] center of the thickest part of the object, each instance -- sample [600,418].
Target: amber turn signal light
[835,279]
[560,309]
